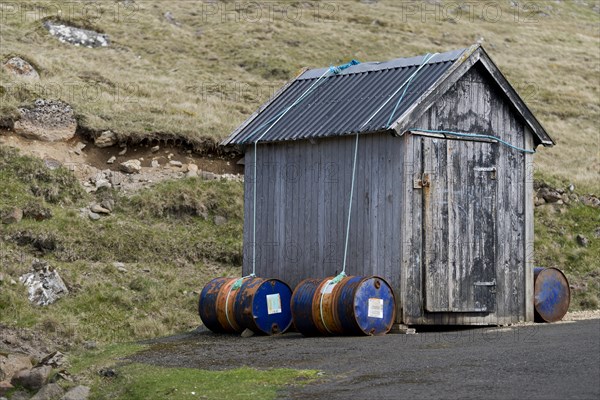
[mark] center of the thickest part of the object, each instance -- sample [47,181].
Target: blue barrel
[263,306]
[552,294]
[366,305]
[355,305]
[301,306]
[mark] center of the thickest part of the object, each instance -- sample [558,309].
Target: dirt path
[542,361]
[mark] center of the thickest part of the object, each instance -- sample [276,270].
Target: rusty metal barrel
[263,306]
[552,294]
[356,305]
[216,305]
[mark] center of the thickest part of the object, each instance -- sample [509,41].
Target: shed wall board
[303,190]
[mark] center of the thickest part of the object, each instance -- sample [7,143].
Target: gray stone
[208,175]
[122,152]
[247,333]
[102,183]
[19,67]
[51,391]
[13,363]
[55,359]
[155,164]
[155,149]
[20,395]
[46,120]
[109,204]
[131,166]
[550,195]
[111,160]
[13,216]
[77,393]
[44,284]
[192,167]
[76,36]
[582,241]
[32,379]
[98,209]
[93,216]
[90,345]
[175,163]
[192,174]
[106,139]
[220,220]
[79,148]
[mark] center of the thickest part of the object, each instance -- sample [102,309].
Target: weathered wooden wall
[471,105]
[302,204]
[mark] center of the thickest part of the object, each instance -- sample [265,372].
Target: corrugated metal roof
[342,103]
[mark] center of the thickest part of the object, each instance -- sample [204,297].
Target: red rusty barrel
[355,305]
[216,306]
[552,294]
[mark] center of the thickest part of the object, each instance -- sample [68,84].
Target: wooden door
[459,230]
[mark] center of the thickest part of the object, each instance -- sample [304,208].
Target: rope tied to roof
[276,119]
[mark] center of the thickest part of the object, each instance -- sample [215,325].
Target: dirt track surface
[542,361]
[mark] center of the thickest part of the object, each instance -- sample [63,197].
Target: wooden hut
[442,205]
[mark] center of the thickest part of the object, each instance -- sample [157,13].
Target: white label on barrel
[328,288]
[273,304]
[375,308]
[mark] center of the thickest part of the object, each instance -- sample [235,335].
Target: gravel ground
[541,361]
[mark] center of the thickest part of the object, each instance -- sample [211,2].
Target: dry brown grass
[202,78]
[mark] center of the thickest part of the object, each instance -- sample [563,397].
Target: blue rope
[276,119]
[474,135]
[426,59]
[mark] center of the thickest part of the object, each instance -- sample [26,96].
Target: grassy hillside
[202,74]
[165,237]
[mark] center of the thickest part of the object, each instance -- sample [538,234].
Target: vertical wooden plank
[529,226]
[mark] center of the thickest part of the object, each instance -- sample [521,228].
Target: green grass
[165,235]
[145,382]
[556,229]
[201,79]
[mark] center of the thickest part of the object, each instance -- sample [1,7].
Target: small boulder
[108,204]
[155,149]
[208,175]
[19,67]
[582,241]
[32,379]
[220,220]
[46,120]
[51,391]
[12,364]
[106,139]
[77,393]
[175,163]
[549,195]
[98,209]
[94,216]
[44,284]
[131,166]
[13,216]
[111,160]
[155,164]
[76,36]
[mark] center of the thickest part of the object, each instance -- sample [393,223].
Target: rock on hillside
[76,36]
[19,67]
[47,120]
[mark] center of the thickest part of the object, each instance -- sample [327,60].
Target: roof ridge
[373,66]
